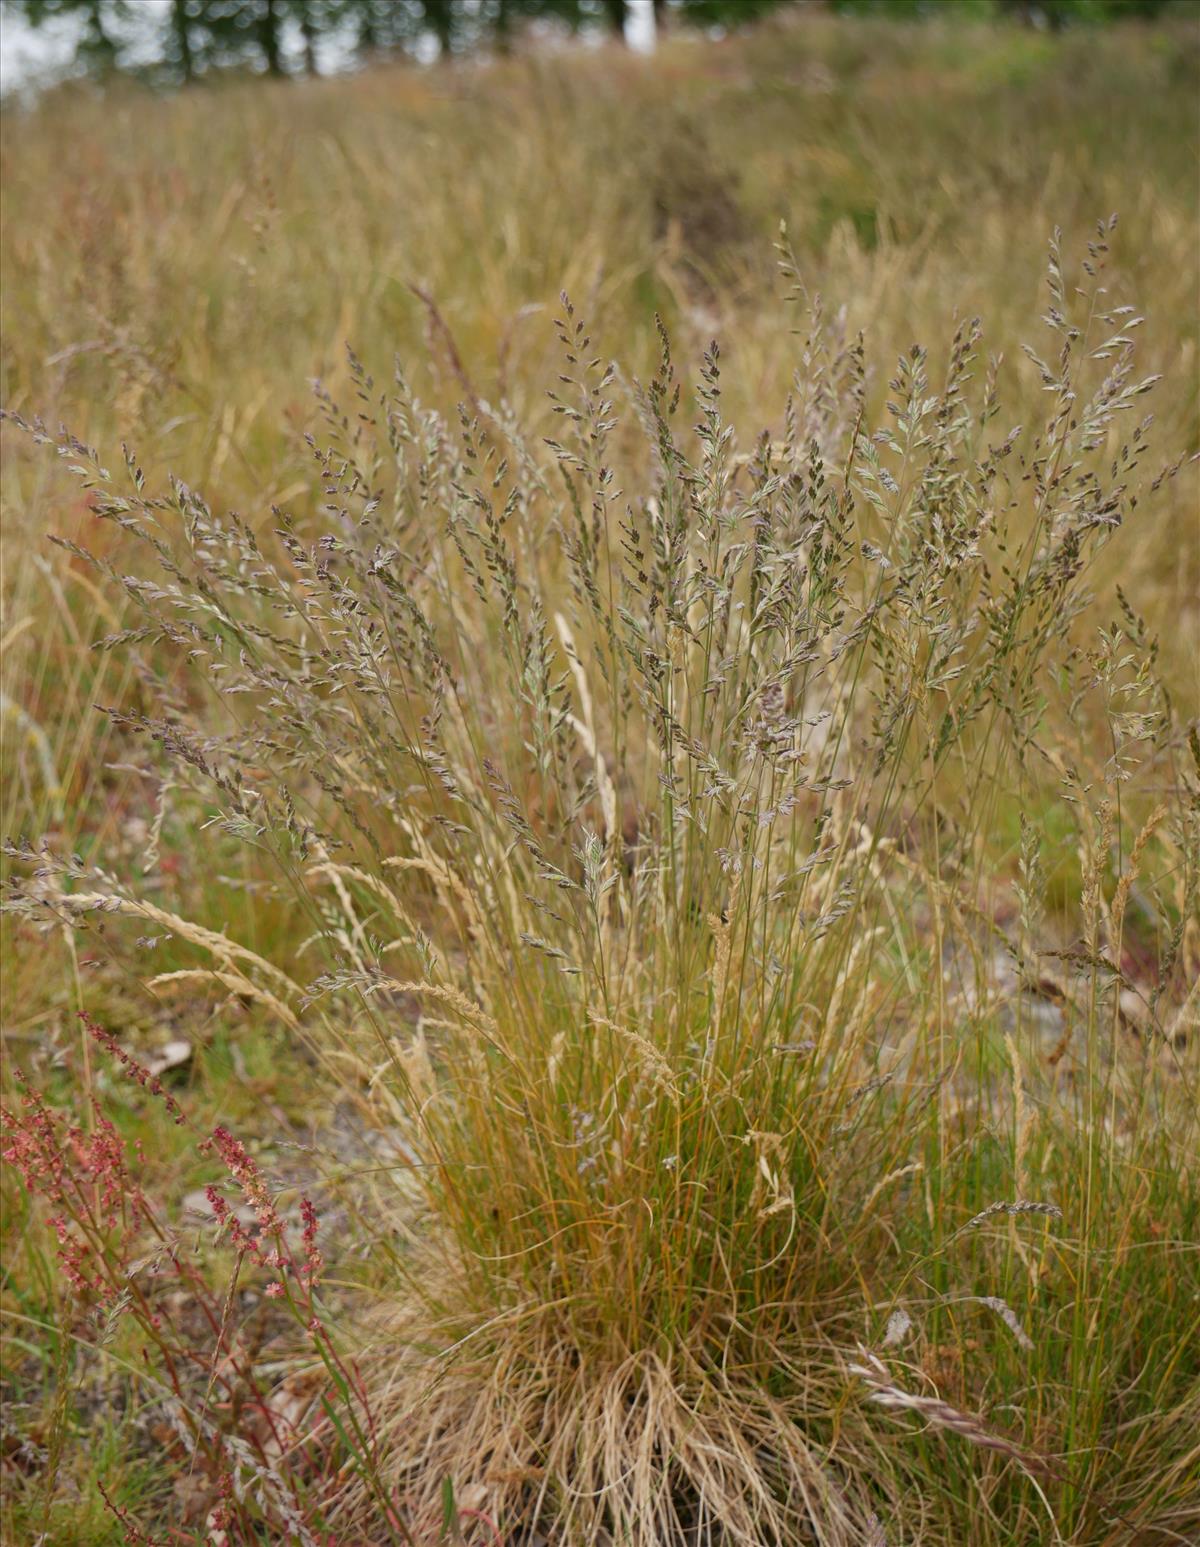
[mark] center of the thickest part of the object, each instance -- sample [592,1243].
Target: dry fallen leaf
[172,1055]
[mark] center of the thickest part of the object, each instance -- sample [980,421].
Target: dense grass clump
[648,791]
[613,958]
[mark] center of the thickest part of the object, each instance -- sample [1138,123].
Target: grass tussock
[680,874]
[642,784]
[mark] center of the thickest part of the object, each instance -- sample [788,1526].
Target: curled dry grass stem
[887,1393]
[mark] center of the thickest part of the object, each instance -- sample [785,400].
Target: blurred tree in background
[100,22]
[182,40]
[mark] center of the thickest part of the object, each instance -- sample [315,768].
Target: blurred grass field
[176,269]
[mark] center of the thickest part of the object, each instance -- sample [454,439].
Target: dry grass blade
[940,1414]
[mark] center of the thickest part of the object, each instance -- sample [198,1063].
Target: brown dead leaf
[290,1411]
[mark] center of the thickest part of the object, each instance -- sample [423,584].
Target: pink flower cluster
[313,1261]
[83,1177]
[246,1173]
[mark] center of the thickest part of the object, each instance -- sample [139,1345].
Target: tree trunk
[182,32]
[439,16]
[615,11]
[268,37]
[309,34]
[503,27]
[98,41]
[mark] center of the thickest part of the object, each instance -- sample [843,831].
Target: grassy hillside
[702,898]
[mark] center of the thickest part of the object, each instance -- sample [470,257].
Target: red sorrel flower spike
[133,1069]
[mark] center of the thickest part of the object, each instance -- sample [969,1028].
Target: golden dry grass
[711,1171]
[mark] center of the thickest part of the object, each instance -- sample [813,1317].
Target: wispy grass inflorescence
[645,789]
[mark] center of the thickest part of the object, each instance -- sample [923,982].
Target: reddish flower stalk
[230,1224]
[134,1535]
[313,1260]
[95,1209]
[84,1179]
[246,1173]
[133,1069]
[249,1178]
